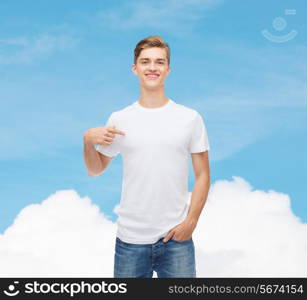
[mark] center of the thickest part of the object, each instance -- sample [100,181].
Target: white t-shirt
[155,152]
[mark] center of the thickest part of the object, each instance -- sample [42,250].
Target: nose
[152,66]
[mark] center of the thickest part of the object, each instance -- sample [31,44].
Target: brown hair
[149,42]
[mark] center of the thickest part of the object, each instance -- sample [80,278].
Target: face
[152,67]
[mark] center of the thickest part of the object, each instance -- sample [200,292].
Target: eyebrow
[146,58]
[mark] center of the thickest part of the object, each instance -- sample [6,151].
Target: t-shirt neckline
[138,105]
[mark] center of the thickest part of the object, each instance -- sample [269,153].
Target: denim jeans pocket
[186,241]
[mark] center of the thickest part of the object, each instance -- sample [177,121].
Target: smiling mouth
[152,76]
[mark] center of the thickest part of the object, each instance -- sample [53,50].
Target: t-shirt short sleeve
[199,141]
[111,150]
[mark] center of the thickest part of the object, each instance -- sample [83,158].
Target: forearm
[91,158]
[198,198]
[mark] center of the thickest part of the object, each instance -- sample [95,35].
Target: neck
[153,98]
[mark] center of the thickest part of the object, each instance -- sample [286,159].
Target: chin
[152,86]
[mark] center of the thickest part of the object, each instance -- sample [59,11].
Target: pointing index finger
[116,131]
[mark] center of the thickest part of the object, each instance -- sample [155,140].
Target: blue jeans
[170,259]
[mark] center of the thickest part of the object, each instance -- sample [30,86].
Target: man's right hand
[102,135]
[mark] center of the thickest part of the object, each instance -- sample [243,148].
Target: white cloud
[65,235]
[160,15]
[241,232]
[250,233]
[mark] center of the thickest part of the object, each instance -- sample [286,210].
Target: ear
[169,69]
[133,68]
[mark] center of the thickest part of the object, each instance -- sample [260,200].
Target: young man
[155,136]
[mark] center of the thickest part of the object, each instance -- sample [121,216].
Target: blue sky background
[66,65]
